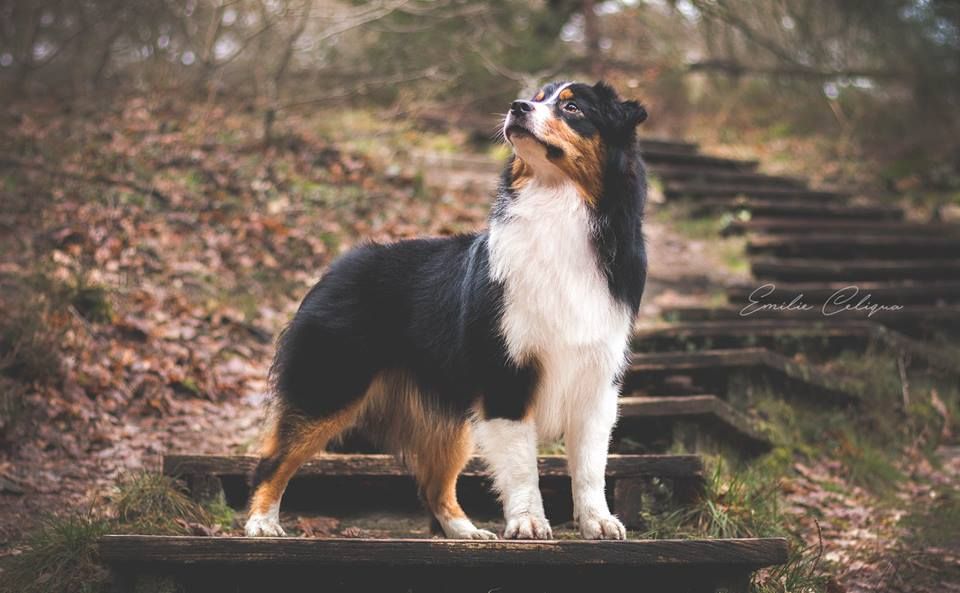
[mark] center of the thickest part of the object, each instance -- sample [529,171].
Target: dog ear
[634,113]
[605,91]
[627,115]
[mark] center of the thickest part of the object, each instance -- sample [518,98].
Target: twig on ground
[902,361]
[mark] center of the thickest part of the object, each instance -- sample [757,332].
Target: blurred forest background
[175,174]
[878,76]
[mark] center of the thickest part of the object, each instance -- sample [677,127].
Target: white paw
[527,527]
[602,527]
[462,528]
[479,534]
[263,526]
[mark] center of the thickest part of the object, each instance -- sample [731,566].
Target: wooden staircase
[381,541]
[813,242]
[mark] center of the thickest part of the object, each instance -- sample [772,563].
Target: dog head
[566,131]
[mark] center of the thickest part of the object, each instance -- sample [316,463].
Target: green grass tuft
[60,557]
[801,573]
[740,504]
[152,503]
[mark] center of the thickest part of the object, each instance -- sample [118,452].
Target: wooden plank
[755,190]
[703,359]
[710,407]
[669,173]
[785,207]
[806,270]
[855,246]
[655,157]
[819,327]
[825,382]
[618,466]
[768,224]
[668,145]
[380,553]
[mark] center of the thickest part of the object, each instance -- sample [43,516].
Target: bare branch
[738,69]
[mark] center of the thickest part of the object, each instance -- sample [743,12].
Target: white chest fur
[558,308]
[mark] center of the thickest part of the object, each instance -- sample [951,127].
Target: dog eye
[571,107]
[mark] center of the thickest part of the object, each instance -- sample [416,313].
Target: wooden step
[729,190]
[715,366]
[827,270]
[746,326]
[785,207]
[339,484]
[781,333]
[855,246]
[693,173]
[774,225]
[655,157]
[708,409]
[239,564]
[785,335]
[668,145]
[882,297]
[371,466]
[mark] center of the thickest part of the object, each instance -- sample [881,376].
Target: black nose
[521,107]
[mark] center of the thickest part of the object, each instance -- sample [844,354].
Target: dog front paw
[480,534]
[527,527]
[263,526]
[462,528]
[602,527]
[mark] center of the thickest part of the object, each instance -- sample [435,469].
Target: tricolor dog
[496,340]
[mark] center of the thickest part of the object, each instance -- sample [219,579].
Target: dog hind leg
[292,440]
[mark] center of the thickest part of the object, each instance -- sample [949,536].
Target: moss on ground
[61,555]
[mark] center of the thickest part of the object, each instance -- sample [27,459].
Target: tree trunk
[27,17]
[270,116]
[207,59]
[591,34]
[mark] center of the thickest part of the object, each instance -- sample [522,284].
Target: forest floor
[150,252]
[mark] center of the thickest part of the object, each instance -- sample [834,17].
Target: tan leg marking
[309,438]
